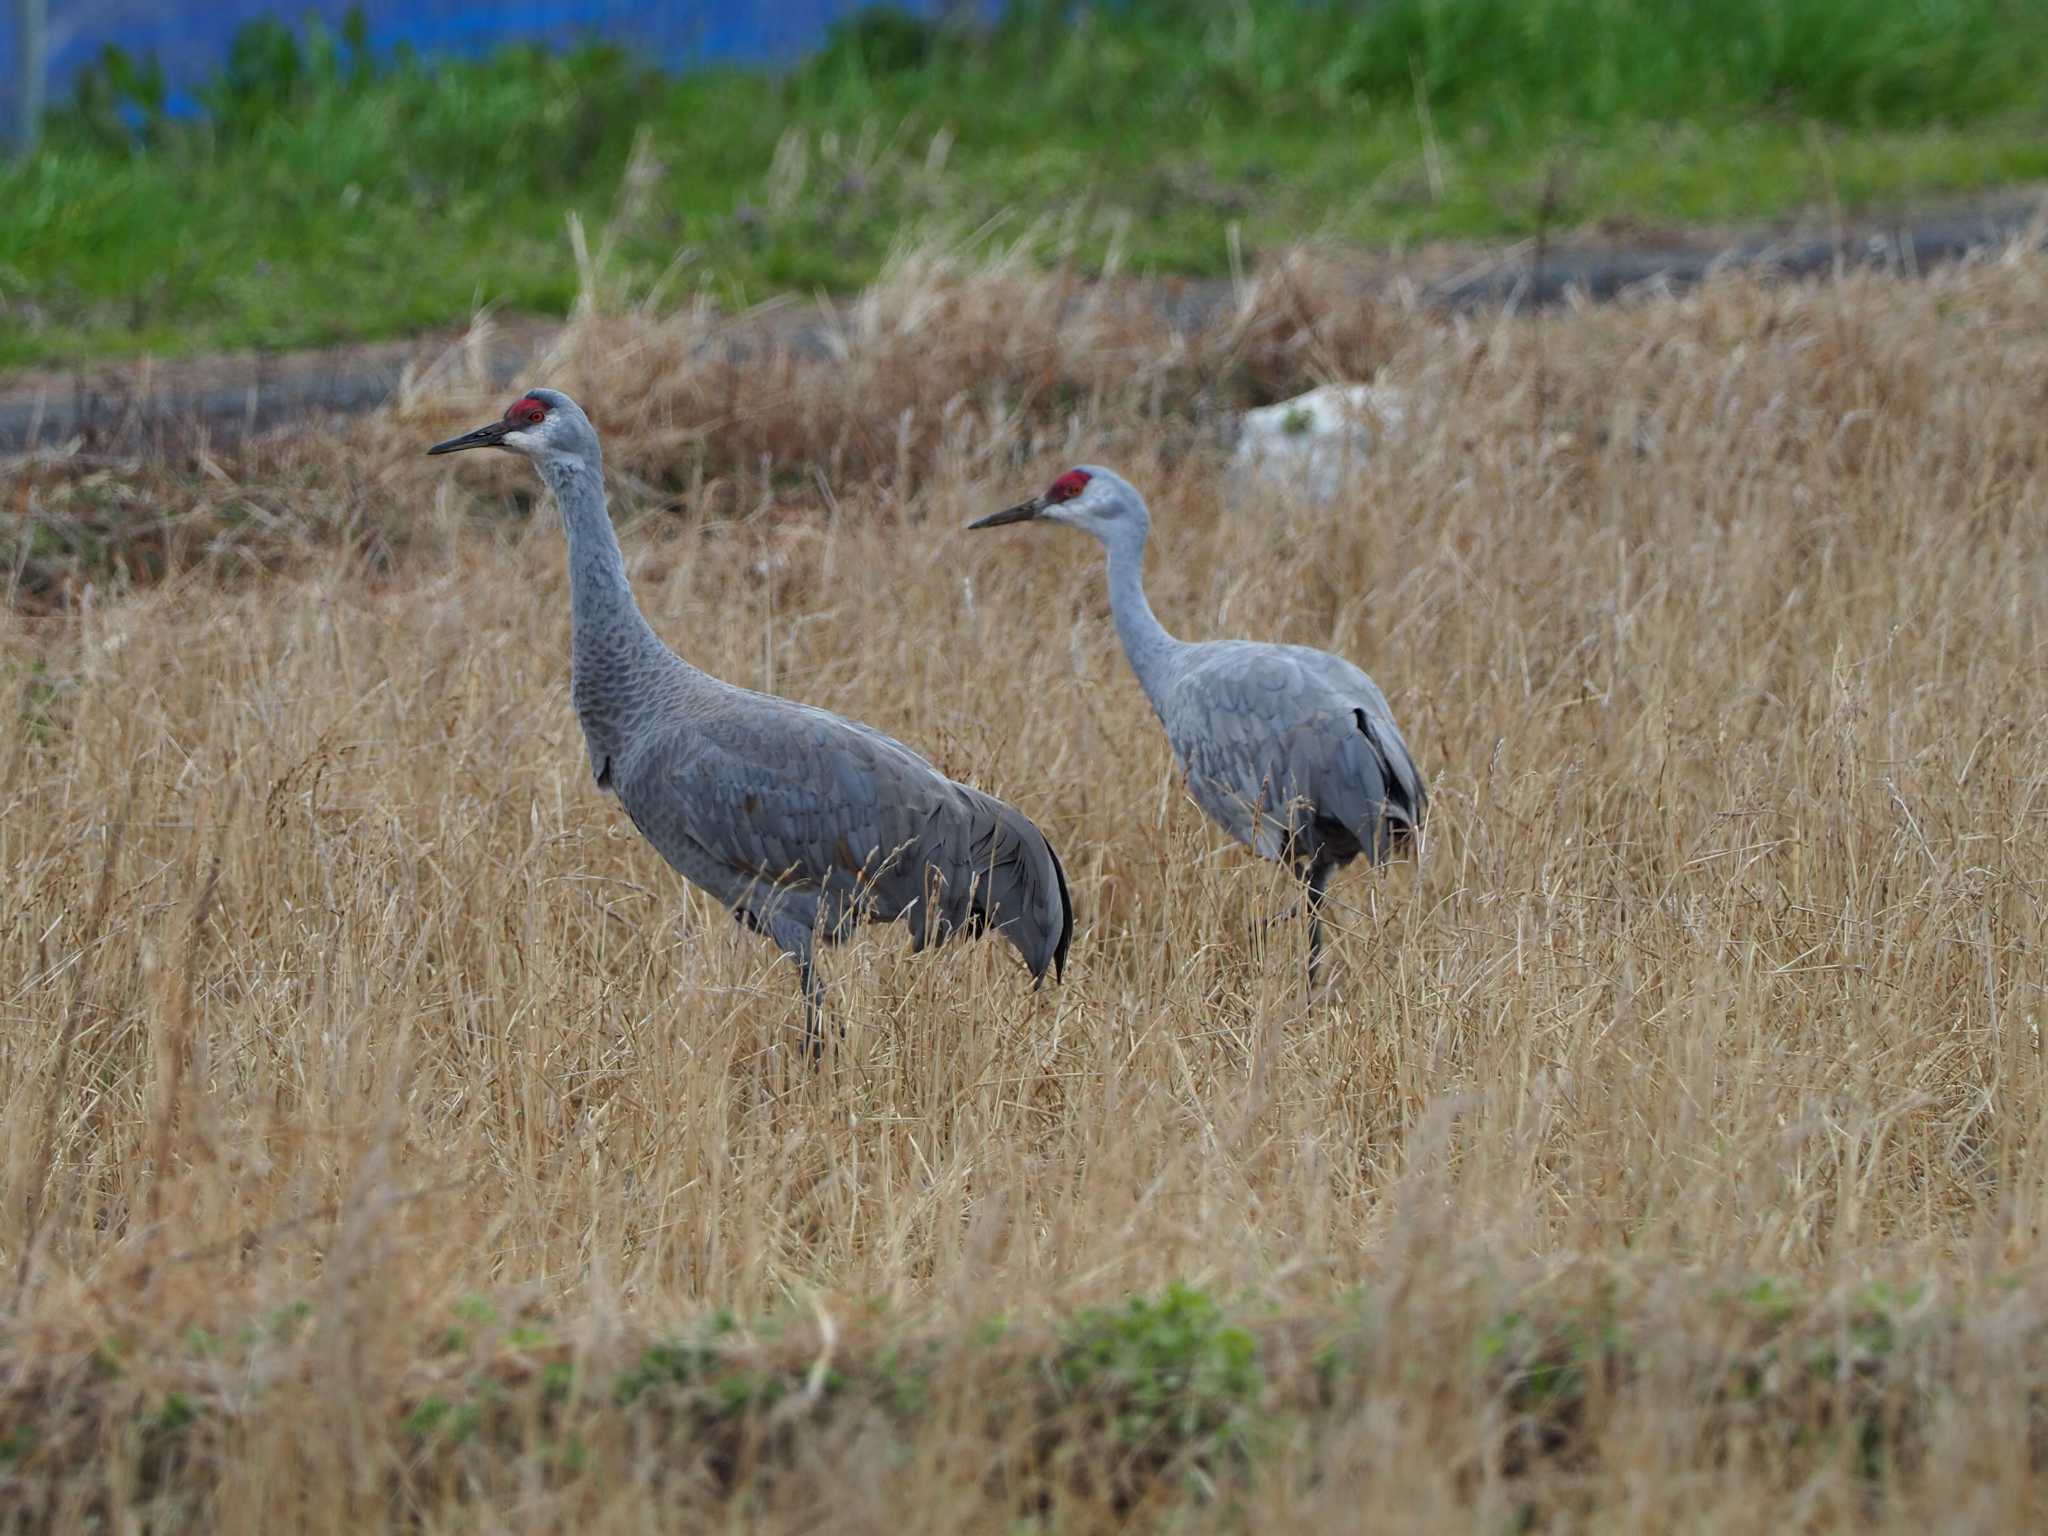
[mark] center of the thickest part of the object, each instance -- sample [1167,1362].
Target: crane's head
[1087,497]
[541,424]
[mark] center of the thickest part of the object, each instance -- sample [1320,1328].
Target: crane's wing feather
[1407,798]
[762,800]
[1269,734]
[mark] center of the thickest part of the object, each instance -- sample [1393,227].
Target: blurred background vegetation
[333,191]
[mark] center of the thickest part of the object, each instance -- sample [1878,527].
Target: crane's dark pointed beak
[1023,512]
[491,436]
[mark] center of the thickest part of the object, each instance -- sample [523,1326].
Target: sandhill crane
[1288,749]
[802,822]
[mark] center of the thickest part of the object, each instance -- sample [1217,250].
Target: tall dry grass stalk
[1724,962]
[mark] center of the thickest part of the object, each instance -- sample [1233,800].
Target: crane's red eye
[528,409]
[535,415]
[1068,486]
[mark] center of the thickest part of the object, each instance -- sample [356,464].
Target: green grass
[1175,1367]
[321,201]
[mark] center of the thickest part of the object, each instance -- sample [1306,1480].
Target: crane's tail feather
[1014,884]
[1404,800]
[1066,938]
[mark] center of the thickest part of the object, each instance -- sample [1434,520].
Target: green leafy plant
[1173,1368]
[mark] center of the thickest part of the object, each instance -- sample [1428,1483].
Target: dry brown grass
[1670,1151]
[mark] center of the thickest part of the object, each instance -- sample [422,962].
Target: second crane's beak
[1023,512]
[491,436]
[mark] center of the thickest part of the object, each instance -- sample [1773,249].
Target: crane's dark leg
[796,940]
[814,1007]
[1318,881]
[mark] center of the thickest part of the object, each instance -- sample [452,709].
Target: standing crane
[1290,750]
[803,823]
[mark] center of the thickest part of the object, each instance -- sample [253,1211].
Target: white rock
[1311,442]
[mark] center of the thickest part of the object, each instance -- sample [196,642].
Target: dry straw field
[391,1139]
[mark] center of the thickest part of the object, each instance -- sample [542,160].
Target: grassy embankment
[324,201]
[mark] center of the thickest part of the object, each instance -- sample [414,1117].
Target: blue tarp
[191,37]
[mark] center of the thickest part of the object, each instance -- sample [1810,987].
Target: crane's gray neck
[1149,647]
[614,652]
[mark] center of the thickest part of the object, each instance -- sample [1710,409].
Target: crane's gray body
[802,822]
[1292,751]
[807,824]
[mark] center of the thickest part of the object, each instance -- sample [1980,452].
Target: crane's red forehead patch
[526,408]
[1068,486]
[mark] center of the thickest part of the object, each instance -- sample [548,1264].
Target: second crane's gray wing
[1267,736]
[788,803]
[1407,797]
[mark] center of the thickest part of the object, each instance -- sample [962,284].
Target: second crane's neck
[615,652]
[1146,643]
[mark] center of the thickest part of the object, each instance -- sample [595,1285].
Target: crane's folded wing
[1266,734]
[797,800]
